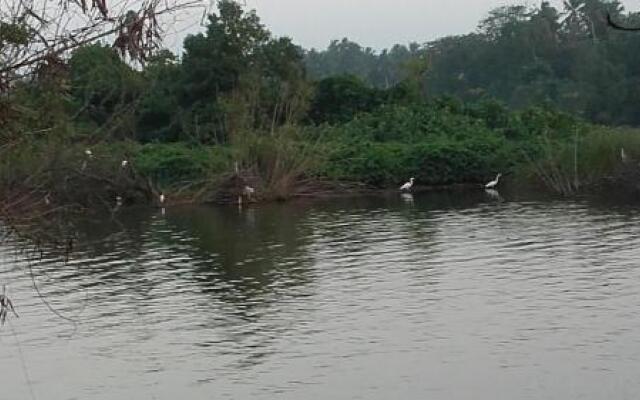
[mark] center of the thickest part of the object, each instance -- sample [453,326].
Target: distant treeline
[568,58]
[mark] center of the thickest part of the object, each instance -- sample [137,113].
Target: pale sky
[375,23]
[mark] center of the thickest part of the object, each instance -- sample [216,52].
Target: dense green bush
[339,99]
[431,163]
[435,143]
[169,163]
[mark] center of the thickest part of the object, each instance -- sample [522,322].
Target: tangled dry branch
[618,26]
[38,33]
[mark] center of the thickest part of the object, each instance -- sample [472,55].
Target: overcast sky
[374,23]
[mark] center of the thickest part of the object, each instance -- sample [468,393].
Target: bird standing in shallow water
[407,186]
[623,155]
[248,191]
[493,183]
[161,198]
[89,155]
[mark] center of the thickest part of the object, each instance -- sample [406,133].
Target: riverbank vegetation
[242,107]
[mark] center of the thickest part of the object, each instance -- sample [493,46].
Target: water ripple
[370,298]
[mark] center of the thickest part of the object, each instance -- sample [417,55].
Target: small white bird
[248,191]
[47,198]
[161,198]
[493,183]
[118,200]
[124,163]
[89,153]
[407,186]
[623,155]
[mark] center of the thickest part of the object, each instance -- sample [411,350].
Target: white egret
[407,186]
[124,163]
[493,183]
[89,155]
[118,200]
[47,198]
[248,191]
[161,198]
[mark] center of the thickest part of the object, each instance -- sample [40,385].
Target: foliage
[282,160]
[456,110]
[344,57]
[435,143]
[593,156]
[104,88]
[237,77]
[168,164]
[567,58]
[341,98]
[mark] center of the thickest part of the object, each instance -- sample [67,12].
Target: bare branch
[33,32]
[617,26]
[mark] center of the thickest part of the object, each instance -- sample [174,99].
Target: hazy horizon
[371,23]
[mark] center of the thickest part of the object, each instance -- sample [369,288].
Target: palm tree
[590,15]
[575,19]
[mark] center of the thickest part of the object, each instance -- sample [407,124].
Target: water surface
[440,296]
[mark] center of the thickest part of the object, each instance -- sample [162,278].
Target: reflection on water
[449,295]
[493,194]
[407,197]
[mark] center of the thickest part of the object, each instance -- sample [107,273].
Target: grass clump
[593,157]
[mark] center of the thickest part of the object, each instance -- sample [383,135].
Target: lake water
[457,295]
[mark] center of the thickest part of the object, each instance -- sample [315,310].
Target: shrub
[172,163]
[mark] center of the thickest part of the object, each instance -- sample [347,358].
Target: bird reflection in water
[493,194]
[407,197]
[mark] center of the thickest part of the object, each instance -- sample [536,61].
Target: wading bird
[493,183]
[407,186]
[248,191]
[124,163]
[161,198]
[89,155]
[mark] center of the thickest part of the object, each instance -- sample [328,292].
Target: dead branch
[619,27]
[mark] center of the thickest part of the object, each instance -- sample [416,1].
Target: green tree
[105,89]
[340,98]
[160,114]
